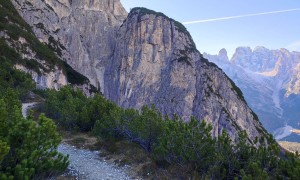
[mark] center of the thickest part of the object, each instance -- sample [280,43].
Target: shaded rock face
[156,62]
[81,32]
[270,81]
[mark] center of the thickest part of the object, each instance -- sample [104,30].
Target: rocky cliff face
[269,80]
[81,32]
[293,87]
[45,77]
[156,62]
[147,59]
[20,46]
[259,60]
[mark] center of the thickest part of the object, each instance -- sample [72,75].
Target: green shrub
[28,147]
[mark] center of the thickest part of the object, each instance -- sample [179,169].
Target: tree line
[170,140]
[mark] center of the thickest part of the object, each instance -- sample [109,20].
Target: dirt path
[84,163]
[26,107]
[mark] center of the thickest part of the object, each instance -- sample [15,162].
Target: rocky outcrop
[293,87]
[81,32]
[53,80]
[259,60]
[45,75]
[156,62]
[21,47]
[269,80]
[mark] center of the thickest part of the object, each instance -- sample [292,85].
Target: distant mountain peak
[270,80]
[260,48]
[223,54]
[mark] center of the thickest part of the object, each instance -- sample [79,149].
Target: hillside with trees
[171,141]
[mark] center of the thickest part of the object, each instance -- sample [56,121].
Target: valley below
[269,82]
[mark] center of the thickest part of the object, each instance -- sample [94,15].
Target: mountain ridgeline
[142,58]
[269,80]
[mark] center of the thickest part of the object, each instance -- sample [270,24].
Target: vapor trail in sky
[239,16]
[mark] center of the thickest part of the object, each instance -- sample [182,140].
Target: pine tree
[29,147]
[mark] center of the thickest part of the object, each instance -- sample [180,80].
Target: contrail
[239,16]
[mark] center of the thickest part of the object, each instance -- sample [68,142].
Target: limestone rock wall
[157,63]
[81,31]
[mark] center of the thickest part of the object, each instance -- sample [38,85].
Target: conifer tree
[28,147]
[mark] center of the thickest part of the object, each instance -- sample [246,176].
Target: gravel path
[26,107]
[86,164]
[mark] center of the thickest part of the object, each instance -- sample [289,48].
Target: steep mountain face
[258,60]
[147,59]
[293,87]
[18,43]
[20,46]
[81,32]
[269,80]
[45,76]
[157,63]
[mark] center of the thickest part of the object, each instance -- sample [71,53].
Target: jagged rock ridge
[147,59]
[269,80]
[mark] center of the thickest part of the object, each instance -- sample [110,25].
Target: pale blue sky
[274,31]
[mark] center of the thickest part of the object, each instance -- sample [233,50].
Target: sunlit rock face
[156,62]
[81,32]
[270,81]
[47,75]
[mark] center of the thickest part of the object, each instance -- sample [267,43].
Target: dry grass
[123,152]
[290,146]
[79,140]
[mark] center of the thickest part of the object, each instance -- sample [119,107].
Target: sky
[217,24]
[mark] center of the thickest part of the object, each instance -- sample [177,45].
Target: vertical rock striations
[156,62]
[81,32]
